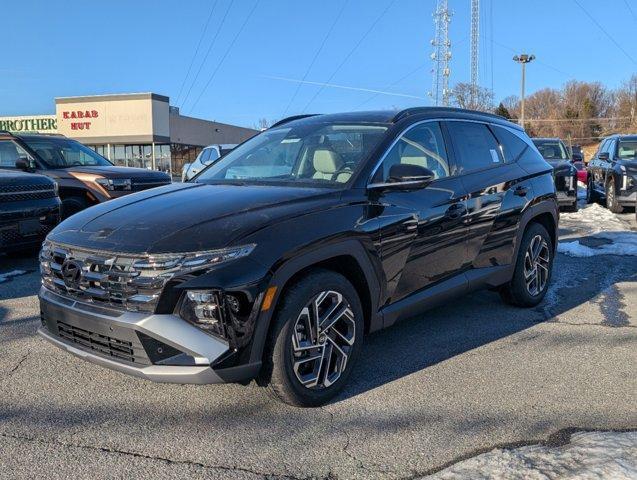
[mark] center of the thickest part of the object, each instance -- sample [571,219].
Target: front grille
[108,279]
[105,345]
[14,193]
[140,183]
[11,235]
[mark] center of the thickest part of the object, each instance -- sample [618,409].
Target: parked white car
[208,156]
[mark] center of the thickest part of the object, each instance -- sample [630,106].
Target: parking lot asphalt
[460,379]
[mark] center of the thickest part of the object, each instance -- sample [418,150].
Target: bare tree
[462,97]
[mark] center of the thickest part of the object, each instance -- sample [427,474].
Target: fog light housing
[203,309]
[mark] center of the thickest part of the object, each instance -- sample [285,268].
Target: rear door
[422,231]
[496,188]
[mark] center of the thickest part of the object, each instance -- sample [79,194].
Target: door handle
[521,191]
[455,211]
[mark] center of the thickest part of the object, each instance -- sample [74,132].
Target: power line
[318,52]
[225,54]
[591,119]
[605,32]
[192,61]
[630,9]
[393,84]
[351,52]
[203,62]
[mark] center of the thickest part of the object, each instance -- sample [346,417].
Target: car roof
[394,116]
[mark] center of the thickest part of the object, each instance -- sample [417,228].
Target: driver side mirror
[603,156]
[403,176]
[23,164]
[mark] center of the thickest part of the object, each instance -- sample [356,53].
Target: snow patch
[581,190]
[589,455]
[616,235]
[14,273]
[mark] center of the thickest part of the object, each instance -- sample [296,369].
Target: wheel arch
[348,258]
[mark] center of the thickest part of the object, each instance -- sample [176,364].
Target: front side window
[627,149]
[10,152]
[63,153]
[204,156]
[307,153]
[422,145]
[475,146]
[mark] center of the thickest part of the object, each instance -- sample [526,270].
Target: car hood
[112,171]
[187,217]
[17,177]
[562,167]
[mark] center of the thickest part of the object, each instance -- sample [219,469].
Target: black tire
[591,194]
[72,205]
[279,365]
[611,198]
[571,208]
[516,291]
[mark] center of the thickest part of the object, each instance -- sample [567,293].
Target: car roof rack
[292,118]
[416,110]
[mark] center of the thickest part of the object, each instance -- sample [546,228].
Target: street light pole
[523,59]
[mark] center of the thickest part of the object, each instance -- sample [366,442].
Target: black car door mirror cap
[404,176]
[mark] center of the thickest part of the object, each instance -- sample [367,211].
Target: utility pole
[523,59]
[441,55]
[474,50]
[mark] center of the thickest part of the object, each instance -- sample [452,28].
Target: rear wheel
[611,198]
[533,269]
[316,338]
[591,195]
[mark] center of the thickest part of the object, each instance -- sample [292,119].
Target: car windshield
[308,153]
[628,149]
[551,150]
[59,152]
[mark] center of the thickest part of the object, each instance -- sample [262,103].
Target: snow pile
[591,455]
[6,276]
[616,236]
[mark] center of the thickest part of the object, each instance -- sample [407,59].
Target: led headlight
[56,188]
[115,183]
[202,308]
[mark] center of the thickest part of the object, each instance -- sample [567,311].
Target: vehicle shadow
[481,318]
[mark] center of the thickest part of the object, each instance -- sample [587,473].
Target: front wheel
[316,337]
[611,198]
[533,269]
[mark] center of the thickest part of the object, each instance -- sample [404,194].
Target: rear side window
[475,146]
[204,155]
[512,146]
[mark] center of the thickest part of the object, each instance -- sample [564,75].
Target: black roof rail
[416,110]
[292,118]
[6,132]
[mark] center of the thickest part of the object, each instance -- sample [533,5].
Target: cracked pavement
[459,379]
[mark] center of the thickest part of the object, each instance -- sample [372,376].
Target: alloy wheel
[536,265]
[322,340]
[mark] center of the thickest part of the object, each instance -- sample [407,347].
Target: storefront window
[162,158]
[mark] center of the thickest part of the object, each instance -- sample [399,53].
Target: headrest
[326,161]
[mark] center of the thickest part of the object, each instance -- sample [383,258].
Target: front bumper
[628,199]
[119,340]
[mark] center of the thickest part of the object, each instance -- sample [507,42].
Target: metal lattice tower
[441,55]
[475,47]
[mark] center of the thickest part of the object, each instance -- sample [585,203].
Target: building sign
[83,118]
[36,124]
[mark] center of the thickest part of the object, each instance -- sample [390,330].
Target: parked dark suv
[276,260]
[85,178]
[29,209]
[555,152]
[613,173]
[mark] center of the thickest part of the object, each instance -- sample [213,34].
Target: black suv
[613,173]
[276,260]
[29,209]
[555,152]
[85,178]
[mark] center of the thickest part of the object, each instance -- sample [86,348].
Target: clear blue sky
[116,46]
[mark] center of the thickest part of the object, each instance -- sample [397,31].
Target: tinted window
[422,145]
[512,145]
[551,149]
[10,153]
[474,145]
[204,156]
[610,148]
[628,149]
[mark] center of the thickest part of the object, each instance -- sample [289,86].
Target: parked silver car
[208,156]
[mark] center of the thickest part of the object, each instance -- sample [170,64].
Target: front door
[422,231]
